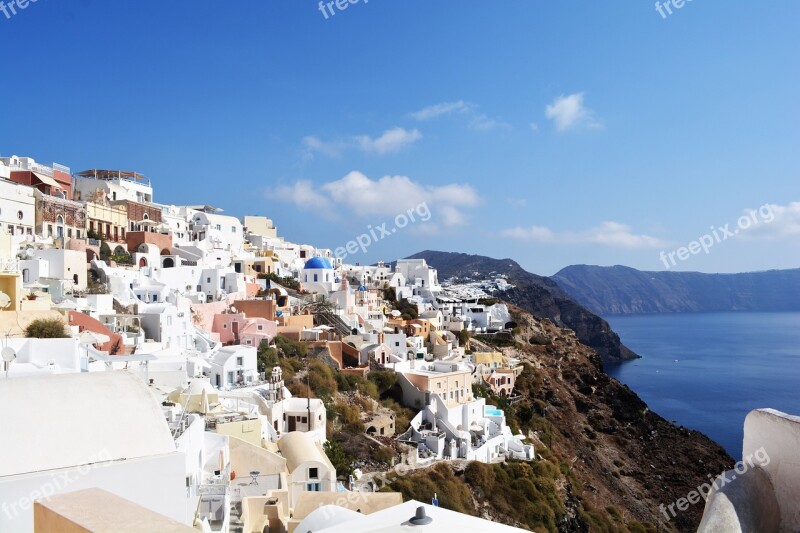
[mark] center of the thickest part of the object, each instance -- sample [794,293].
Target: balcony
[9,265]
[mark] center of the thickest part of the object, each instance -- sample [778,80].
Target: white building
[219,231]
[234,366]
[409,516]
[17,209]
[60,438]
[115,184]
[66,270]
[763,490]
[319,276]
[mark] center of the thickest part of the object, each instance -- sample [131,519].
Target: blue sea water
[706,371]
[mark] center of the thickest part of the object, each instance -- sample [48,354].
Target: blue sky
[554,133]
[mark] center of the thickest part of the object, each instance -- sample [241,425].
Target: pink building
[236,328]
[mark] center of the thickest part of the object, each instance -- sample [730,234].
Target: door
[292,423]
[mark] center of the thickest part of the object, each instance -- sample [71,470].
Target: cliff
[605,461]
[624,290]
[538,295]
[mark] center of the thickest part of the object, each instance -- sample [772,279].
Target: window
[208,280]
[240,361]
[313,487]
[233,229]
[230,377]
[219,227]
[20,215]
[260,327]
[313,473]
[303,420]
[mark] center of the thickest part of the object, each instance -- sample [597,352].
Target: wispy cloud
[517,202]
[476,120]
[391,140]
[358,195]
[570,112]
[444,108]
[611,234]
[775,222]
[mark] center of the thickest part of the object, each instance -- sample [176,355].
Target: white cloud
[770,222]
[301,193]
[517,202]
[358,195]
[445,108]
[569,112]
[611,234]
[391,140]
[331,148]
[477,121]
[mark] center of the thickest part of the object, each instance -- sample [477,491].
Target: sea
[706,371]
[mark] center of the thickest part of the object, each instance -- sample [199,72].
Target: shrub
[339,458]
[384,381]
[46,328]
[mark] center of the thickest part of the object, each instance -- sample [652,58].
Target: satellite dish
[8,354]
[5,301]
[29,252]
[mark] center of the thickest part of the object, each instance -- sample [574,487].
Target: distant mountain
[623,290]
[538,295]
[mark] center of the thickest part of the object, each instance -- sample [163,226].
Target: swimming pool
[492,411]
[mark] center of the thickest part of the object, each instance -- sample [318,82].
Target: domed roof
[318,263]
[362,288]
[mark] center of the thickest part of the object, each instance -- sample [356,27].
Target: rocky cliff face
[605,461]
[538,295]
[624,290]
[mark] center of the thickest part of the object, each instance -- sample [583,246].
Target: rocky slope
[609,460]
[624,290]
[536,294]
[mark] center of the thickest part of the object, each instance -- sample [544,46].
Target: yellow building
[10,276]
[106,220]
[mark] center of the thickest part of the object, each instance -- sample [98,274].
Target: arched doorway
[168,262]
[142,262]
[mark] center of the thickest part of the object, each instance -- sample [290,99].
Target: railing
[9,265]
[61,168]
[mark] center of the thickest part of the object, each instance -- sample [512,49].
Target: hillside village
[175,359]
[174,368]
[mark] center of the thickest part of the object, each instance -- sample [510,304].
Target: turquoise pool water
[492,411]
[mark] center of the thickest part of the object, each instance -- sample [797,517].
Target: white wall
[17,199]
[157,483]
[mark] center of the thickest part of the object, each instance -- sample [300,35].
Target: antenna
[8,354]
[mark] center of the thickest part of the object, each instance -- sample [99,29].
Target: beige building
[309,468]
[106,220]
[260,226]
[451,381]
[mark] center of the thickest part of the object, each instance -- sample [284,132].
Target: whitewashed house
[234,366]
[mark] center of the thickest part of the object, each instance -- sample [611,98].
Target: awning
[47,180]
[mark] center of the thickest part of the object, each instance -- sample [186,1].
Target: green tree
[267,357]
